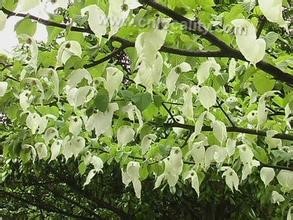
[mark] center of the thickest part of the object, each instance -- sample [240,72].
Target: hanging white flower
[77,76]
[113,80]
[132,113]
[267,174]
[55,149]
[277,197]
[220,131]
[42,151]
[125,134]
[66,50]
[231,177]
[173,76]
[179,119]
[187,108]
[247,168]
[232,69]
[272,10]
[207,96]
[36,123]
[205,69]
[197,151]
[132,175]
[33,151]
[245,37]
[25,99]
[26,5]
[101,122]
[173,168]
[146,142]
[72,147]
[147,44]
[75,125]
[50,134]
[285,178]
[118,13]
[79,96]
[149,75]
[192,175]
[97,20]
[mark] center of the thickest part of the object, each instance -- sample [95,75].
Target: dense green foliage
[148,110]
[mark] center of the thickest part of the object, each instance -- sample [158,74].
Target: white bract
[192,175]
[125,134]
[77,76]
[285,178]
[118,13]
[232,69]
[179,119]
[187,108]
[132,113]
[3,19]
[246,37]
[174,75]
[79,96]
[277,197]
[72,147]
[75,125]
[98,166]
[132,175]
[173,168]
[53,5]
[32,150]
[262,112]
[3,88]
[197,151]
[55,149]
[36,123]
[113,80]
[231,178]
[207,96]
[147,44]
[272,10]
[97,20]
[146,142]
[66,50]
[25,99]
[51,78]
[50,134]
[206,68]
[101,122]
[42,151]
[149,75]
[26,5]
[219,130]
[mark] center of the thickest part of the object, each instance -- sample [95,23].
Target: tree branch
[45,207]
[231,130]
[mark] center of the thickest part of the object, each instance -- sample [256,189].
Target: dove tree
[134,109]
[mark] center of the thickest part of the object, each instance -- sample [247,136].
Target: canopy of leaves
[143,109]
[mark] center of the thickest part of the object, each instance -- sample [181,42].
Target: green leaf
[263,83]
[260,154]
[26,26]
[102,100]
[46,110]
[142,100]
